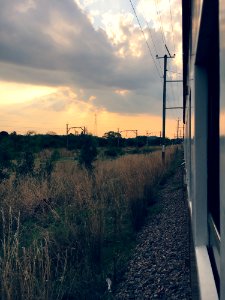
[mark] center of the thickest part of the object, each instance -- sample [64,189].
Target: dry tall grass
[62,236]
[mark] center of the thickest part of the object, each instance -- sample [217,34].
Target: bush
[26,164]
[113,152]
[88,152]
[5,163]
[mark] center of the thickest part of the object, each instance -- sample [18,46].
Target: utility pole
[148,135]
[164,109]
[82,128]
[67,136]
[165,57]
[135,131]
[178,127]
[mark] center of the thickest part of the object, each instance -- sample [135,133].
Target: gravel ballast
[160,264]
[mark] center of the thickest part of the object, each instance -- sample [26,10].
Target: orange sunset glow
[98,71]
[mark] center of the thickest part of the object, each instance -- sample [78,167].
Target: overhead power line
[165,58]
[162,29]
[172,27]
[171,21]
[150,32]
[160,19]
[174,95]
[148,46]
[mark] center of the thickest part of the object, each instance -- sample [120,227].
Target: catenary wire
[148,46]
[171,21]
[172,27]
[160,19]
[151,35]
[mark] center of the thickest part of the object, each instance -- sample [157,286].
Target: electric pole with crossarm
[165,57]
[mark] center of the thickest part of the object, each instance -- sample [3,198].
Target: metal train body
[203,23]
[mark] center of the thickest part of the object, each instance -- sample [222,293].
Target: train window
[208,60]
[213,162]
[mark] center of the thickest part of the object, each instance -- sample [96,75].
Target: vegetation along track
[160,265]
[64,232]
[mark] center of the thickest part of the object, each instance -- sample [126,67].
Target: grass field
[63,235]
[65,155]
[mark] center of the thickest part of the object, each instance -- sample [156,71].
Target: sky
[87,63]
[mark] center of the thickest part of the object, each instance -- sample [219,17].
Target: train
[203,37]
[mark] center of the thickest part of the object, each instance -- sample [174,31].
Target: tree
[3,134]
[51,133]
[31,132]
[88,152]
[112,137]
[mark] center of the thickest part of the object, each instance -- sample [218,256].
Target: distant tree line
[13,144]
[17,152]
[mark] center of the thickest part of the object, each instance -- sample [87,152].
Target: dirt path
[160,265]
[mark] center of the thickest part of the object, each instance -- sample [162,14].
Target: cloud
[121,92]
[51,38]
[61,101]
[49,112]
[24,117]
[54,43]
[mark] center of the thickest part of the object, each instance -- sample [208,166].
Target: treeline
[13,144]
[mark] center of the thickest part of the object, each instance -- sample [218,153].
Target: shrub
[88,152]
[26,164]
[113,152]
[5,163]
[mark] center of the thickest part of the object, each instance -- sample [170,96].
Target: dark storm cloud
[26,37]
[54,43]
